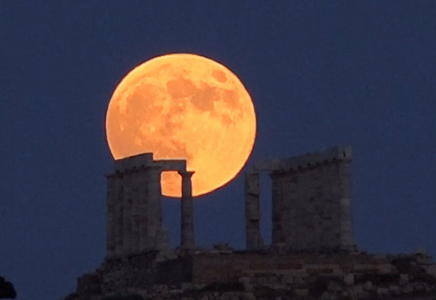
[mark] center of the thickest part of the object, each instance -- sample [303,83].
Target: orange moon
[184,106]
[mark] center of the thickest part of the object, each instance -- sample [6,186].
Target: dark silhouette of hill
[7,290]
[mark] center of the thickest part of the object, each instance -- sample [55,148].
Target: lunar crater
[220,76]
[180,88]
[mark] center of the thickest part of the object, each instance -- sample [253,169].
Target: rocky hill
[231,275]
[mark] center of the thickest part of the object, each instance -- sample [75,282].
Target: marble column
[136,193]
[141,208]
[187,208]
[252,212]
[154,210]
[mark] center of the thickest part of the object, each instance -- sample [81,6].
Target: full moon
[184,106]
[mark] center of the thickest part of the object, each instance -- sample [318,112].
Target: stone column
[137,183]
[187,207]
[280,213]
[142,210]
[154,209]
[252,211]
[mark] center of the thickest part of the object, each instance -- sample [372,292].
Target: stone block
[364,268]
[407,289]
[395,290]
[301,292]
[290,266]
[431,270]
[404,279]
[357,289]
[171,164]
[382,292]
[349,279]
[133,162]
[368,286]
[384,268]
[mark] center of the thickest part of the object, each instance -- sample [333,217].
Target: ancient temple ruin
[311,197]
[134,210]
[312,254]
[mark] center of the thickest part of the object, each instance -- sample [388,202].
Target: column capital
[186,173]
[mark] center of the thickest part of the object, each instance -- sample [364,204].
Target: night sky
[320,73]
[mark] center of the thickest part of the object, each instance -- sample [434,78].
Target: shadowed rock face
[7,290]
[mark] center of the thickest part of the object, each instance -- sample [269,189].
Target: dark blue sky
[320,73]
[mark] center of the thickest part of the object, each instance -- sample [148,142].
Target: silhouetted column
[279,211]
[137,215]
[154,209]
[252,211]
[141,207]
[187,207]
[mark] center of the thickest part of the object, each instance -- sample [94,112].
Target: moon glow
[184,106]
